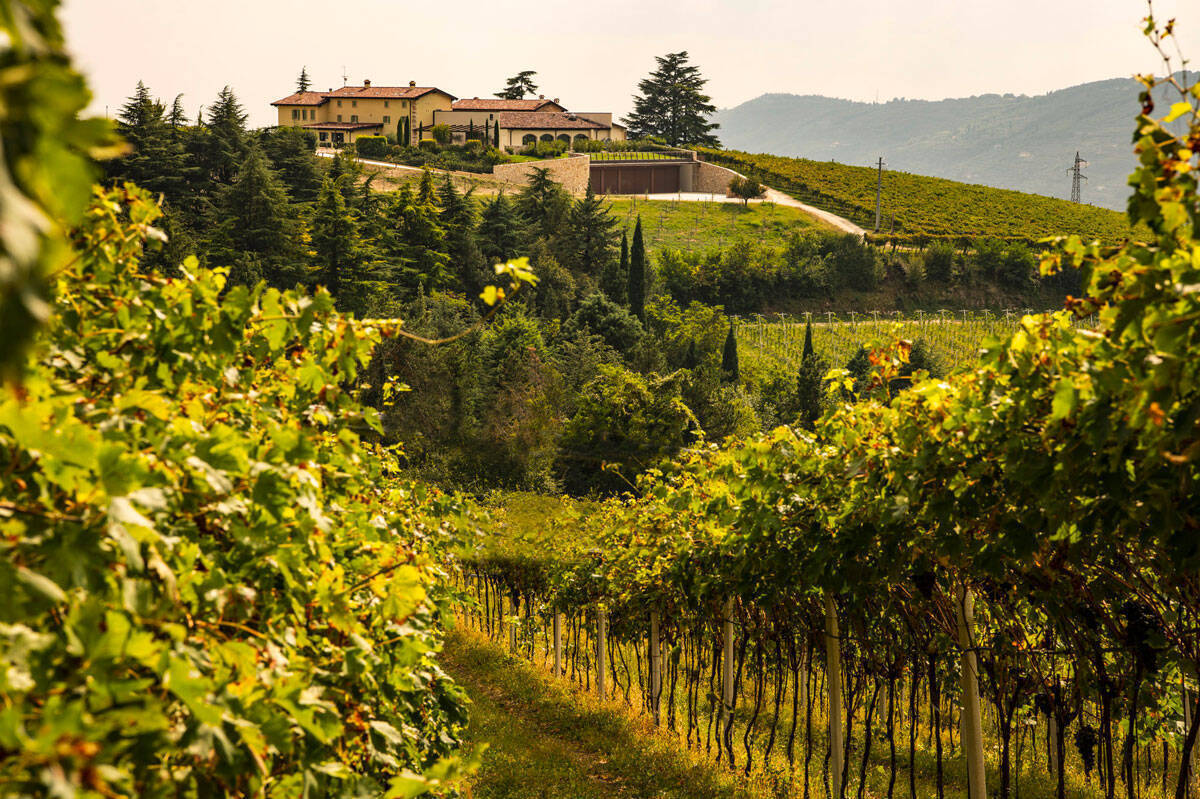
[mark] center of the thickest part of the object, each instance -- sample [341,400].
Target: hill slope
[1009,141]
[917,208]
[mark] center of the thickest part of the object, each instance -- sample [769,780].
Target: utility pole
[345,77]
[1076,177]
[878,190]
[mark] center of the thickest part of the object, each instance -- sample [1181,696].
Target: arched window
[529,138]
[565,139]
[547,137]
[580,137]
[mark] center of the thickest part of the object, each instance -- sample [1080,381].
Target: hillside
[1008,141]
[916,208]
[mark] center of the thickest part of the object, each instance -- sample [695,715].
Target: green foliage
[600,316]
[926,208]
[501,229]
[211,585]
[303,83]
[441,134]
[745,188]
[589,240]
[335,239]
[637,273]
[729,357]
[45,172]
[614,278]
[255,220]
[518,86]
[672,105]
[625,424]
[371,146]
[544,203]
[939,261]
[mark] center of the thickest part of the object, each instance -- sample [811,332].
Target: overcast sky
[592,55]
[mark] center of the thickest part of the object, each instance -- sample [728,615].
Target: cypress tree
[810,396]
[496,136]
[470,128]
[729,356]
[615,281]
[637,274]
[808,345]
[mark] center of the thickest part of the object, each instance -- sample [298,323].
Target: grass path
[547,741]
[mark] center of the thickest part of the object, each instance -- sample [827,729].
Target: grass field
[701,225]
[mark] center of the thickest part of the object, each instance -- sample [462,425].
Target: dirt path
[546,741]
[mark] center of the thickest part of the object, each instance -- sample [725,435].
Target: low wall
[712,179]
[572,172]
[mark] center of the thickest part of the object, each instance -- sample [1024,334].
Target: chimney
[366,84]
[555,101]
[412,84]
[541,97]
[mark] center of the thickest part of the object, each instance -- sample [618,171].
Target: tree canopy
[518,86]
[672,105]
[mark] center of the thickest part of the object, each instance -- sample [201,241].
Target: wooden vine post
[655,666]
[558,618]
[833,677]
[602,652]
[727,665]
[512,627]
[972,723]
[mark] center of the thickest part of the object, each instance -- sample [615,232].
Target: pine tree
[637,273]
[335,240]
[518,86]
[729,356]
[290,152]
[256,218]
[426,192]
[500,230]
[589,237]
[303,83]
[227,136]
[417,243]
[672,105]
[136,111]
[615,281]
[457,218]
[156,160]
[544,203]
[177,118]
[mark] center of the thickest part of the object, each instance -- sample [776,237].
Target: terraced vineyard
[952,337]
[917,209]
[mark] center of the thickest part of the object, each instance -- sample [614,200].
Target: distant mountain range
[1008,141]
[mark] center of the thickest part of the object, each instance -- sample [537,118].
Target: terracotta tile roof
[385,92]
[496,104]
[546,120]
[302,98]
[342,125]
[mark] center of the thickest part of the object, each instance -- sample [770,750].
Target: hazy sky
[592,54]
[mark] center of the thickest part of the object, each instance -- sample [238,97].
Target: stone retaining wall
[572,172]
[712,179]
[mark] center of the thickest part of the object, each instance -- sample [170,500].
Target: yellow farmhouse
[338,116]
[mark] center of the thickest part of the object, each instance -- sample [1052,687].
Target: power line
[1077,177]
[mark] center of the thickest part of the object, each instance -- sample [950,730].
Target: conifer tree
[290,152]
[729,356]
[457,217]
[500,230]
[470,129]
[302,82]
[156,160]
[518,86]
[426,192]
[615,281]
[808,343]
[177,117]
[496,136]
[691,360]
[256,218]
[227,136]
[416,243]
[335,240]
[637,273]
[590,240]
[672,105]
[810,394]
[544,203]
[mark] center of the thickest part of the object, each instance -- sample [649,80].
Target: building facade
[410,112]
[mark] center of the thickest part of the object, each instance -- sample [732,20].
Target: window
[339,117]
[339,103]
[386,119]
[528,138]
[386,103]
[354,103]
[547,137]
[354,117]
[295,113]
[324,136]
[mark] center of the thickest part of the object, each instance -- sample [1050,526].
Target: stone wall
[712,179]
[572,172]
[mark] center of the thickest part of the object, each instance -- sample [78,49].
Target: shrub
[939,262]
[746,189]
[371,146]
[429,145]
[1017,266]
[441,134]
[604,318]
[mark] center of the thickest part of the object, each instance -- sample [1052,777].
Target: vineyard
[918,209]
[983,585]
[954,338]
